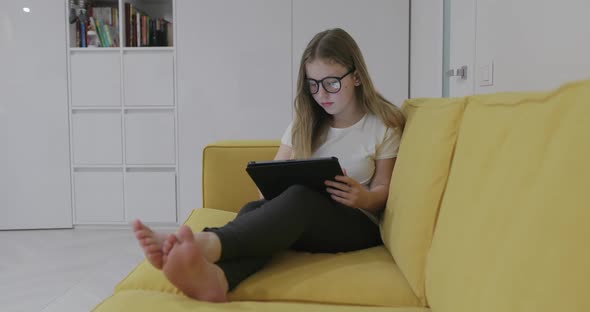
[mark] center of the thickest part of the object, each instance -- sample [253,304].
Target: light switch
[486,74]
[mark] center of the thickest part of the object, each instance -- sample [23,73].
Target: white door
[34,135]
[460,32]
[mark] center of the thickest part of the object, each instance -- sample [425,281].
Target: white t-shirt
[358,146]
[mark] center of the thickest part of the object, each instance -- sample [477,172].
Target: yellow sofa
[489,210]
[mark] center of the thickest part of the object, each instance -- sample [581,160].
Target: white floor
[63,270]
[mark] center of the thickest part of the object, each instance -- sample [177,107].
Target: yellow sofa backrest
[513,228]
[418,183]
[226,184]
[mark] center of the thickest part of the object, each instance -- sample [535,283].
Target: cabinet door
[98,197]
[149,78]
[97,137]
[151,196]
[34,136]
[150,138]
[95,78]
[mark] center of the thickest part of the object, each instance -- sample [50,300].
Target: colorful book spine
[128,24]
[101,37]
[108,35]
[83,35]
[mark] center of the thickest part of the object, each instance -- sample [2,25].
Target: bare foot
[151,242]
[187,268]
[170,241]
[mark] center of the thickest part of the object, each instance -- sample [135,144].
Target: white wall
[535,44]
[426,43]
[379,27]
[234,79]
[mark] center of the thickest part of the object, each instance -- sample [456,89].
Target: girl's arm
[350,192]
[284,152]
[379,187]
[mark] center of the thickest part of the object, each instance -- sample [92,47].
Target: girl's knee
[302,195]
[298,190]
[251,206]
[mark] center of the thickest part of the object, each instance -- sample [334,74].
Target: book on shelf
[143,30]
[100,28]
[82,27]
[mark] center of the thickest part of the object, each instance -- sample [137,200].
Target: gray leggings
[300,219]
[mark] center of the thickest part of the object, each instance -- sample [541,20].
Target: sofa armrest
[226,185]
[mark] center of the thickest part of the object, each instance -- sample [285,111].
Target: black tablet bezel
[274,177]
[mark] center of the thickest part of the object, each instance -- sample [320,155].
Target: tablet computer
[274,177]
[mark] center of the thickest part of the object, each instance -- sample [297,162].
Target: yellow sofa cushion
[418,182]
[142,301]
[224,169]
[513,231]
[366,277]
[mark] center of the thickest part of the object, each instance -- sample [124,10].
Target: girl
[338,113]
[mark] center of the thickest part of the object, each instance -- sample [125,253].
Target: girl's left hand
[348,191]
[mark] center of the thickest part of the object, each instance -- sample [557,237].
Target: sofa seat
[365,277]
[145,300]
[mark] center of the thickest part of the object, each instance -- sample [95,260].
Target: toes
[146,241]
[140,228]
[137,225]
[154,253]
[142,234]
[152,248]
[149,244]
[166,248]
[170,241]
[141,238]
[185,234]
[156,260]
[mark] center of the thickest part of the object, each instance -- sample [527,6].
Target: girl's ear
[357,80]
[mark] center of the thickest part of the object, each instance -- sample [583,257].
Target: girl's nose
[322,93]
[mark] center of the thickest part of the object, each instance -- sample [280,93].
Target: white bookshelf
[124,125]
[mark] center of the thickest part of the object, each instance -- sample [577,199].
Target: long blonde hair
[311,122]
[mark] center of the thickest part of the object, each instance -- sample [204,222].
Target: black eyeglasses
[330,84]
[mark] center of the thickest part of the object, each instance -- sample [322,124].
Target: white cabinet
[99,196]
[151,196]
[150,137]
[96,137]
[147,78]
[123,114]
[95,78]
